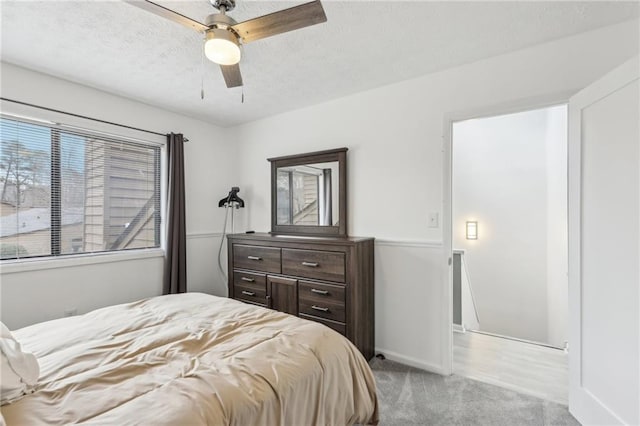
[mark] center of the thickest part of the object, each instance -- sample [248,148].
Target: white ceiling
[121,49]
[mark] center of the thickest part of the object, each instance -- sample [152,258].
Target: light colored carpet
[409,396]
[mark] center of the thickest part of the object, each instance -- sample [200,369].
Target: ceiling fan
[223,35]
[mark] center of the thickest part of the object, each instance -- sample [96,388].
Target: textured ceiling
[116,47]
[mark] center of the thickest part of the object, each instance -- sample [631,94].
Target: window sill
[24,265]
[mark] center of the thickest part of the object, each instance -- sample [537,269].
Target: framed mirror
[309,193]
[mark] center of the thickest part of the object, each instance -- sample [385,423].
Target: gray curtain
[175,262]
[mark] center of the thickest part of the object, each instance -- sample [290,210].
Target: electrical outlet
[433,220]
[69,312]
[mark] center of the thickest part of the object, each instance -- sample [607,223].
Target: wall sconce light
[472,230]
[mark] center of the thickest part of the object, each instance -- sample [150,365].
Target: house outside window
[69,192]
[297,193]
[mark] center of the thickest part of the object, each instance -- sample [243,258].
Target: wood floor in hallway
[523,367]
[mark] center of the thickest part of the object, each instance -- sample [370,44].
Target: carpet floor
[409,396]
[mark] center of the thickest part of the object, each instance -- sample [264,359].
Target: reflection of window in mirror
[283,186]
[305,196]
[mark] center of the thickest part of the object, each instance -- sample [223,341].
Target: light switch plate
[433,220]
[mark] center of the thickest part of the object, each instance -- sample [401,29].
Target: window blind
[67,192]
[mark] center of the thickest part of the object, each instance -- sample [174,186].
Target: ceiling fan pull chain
[242,94]
[202,75]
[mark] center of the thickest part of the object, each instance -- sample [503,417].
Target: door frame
[512,107]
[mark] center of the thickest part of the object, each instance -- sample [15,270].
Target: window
[66,192]
[298,189]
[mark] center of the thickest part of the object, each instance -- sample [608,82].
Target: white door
[604,254]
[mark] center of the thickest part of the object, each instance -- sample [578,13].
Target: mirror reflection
[308,194]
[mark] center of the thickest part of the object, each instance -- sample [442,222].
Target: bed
[193,359]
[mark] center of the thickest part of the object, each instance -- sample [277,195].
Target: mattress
[193,359]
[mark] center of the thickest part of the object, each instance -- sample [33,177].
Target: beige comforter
[193,359]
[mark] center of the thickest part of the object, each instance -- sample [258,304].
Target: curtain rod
[85,117]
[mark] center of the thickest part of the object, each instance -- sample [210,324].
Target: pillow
[19,370]
[4,331]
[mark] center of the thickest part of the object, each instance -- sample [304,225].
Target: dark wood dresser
[325,279]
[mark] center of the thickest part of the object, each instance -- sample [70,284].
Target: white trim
[411,361]
[446,336]
[602,88]
[574,212]
[39,264]
[164,196]
[520,105]
[515,339]
[197,235]
[457,328]
[434,244]
[430,244]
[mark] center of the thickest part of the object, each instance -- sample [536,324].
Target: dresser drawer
[256,258]
[250,293]
[329,309]
[337,326]
[321,265]
[320,293]
[250,279]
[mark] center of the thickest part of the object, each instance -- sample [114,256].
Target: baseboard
[410,361]
[458,328]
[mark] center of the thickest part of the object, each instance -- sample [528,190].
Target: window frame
[50,261]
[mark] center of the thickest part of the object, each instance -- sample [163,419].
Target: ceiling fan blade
[231,74]
[280,22]
[168,14]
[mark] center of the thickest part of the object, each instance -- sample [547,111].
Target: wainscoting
[203,274]
[410,281]
[408,291]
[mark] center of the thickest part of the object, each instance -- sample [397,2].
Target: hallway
[523,367]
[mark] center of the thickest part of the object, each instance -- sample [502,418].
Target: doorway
[509,249]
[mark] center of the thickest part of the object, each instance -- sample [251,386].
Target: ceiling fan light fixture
[223,35]
[221,46]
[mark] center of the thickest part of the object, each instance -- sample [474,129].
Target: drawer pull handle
[319,308]
[315,290]
[254,258]
[249,280]
[312,264]
[248,293]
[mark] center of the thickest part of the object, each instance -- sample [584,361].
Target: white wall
[509,175]
[33,296]
[557,232]
[394,136]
